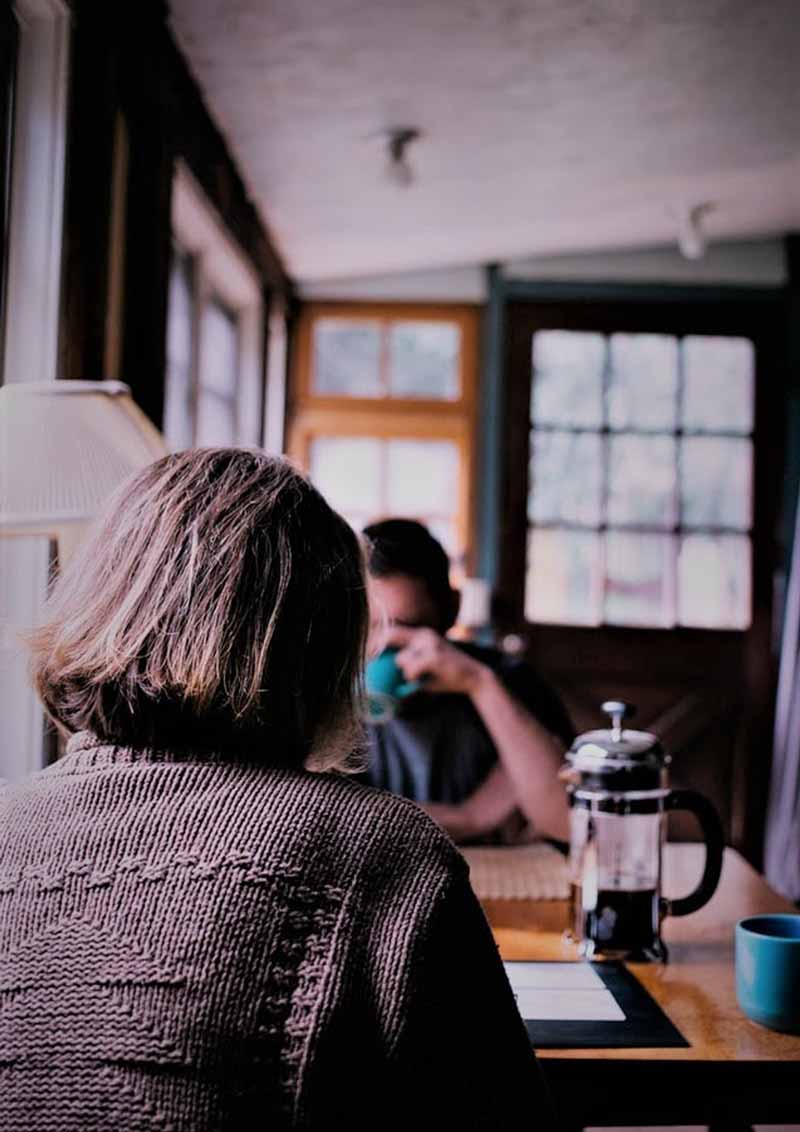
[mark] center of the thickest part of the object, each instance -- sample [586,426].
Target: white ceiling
[549,125]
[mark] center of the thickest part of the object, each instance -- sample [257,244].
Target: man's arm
[491,804]
[529,754]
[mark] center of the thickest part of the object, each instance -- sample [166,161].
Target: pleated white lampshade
[64,447]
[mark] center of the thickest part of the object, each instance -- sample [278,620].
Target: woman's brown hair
[219,604]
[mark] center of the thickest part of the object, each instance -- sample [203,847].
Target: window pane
[180,330]
[445,531]
[568,379]
[422,477]
[562,584]
[566,477]
[718,384]
[347,358]
[216,419]
[642,480]
[219,349]
[357,519]
[714,581]
[424,360]
[218,365]
[643,382]
[716,482]
[442,529]
[347,470]
[638,572]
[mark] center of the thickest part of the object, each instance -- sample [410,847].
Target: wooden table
[734,1072]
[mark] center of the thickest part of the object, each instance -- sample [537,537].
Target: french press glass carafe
[619,796]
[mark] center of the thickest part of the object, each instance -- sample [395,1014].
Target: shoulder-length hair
[219,604]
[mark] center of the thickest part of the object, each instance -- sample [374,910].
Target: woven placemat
[518,872]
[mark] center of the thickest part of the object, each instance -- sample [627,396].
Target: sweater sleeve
[465,1059]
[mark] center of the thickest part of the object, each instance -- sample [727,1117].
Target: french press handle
[715,844]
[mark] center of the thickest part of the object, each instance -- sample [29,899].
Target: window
[640,498]
[382,412]
[32,275]
[214,388]
[178,423]
[364,477]
[8,63]
[398,359]
[217,377]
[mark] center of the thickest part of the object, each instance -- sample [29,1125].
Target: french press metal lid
[617,759]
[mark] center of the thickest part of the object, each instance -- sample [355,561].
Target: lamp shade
[64,447]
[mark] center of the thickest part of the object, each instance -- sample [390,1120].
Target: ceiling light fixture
[691,237]
[398,139]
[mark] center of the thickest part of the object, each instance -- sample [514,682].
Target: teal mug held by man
[386,685]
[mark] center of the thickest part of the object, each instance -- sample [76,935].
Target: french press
[619,796]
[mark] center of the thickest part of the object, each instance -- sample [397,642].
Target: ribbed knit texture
[187,944]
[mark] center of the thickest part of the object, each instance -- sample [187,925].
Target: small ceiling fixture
[398,139]
[691,237]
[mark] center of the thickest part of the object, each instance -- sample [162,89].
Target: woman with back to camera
[204,924]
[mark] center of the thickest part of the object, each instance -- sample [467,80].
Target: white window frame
[31,337]
[221,270]
[274,424]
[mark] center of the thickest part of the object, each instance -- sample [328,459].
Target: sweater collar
[86,751]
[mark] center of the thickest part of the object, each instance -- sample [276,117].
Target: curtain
[782,847]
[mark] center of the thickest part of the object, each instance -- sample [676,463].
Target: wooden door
[707,691]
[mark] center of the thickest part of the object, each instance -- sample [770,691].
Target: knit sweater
[192,944]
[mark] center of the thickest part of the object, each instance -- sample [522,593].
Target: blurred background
[527,271]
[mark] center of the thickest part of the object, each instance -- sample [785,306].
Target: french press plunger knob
[618,710]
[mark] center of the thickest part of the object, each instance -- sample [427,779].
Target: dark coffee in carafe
[619,923]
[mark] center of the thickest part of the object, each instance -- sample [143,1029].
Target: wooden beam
[203,147]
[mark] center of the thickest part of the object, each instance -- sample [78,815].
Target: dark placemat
[646,1026]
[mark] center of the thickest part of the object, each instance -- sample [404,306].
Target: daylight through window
[640,489]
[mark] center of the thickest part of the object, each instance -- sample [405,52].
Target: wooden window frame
[313,414]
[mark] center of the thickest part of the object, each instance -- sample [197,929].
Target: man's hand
[529,755]
[425,655]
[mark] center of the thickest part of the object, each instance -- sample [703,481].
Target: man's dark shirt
[437,749]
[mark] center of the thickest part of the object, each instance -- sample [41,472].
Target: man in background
[484,738]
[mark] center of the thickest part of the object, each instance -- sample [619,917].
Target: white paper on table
[571,976]
[569,992]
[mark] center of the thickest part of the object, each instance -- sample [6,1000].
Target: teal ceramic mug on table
[768,970]
[386,685]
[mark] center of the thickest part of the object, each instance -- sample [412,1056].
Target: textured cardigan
[189,944]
